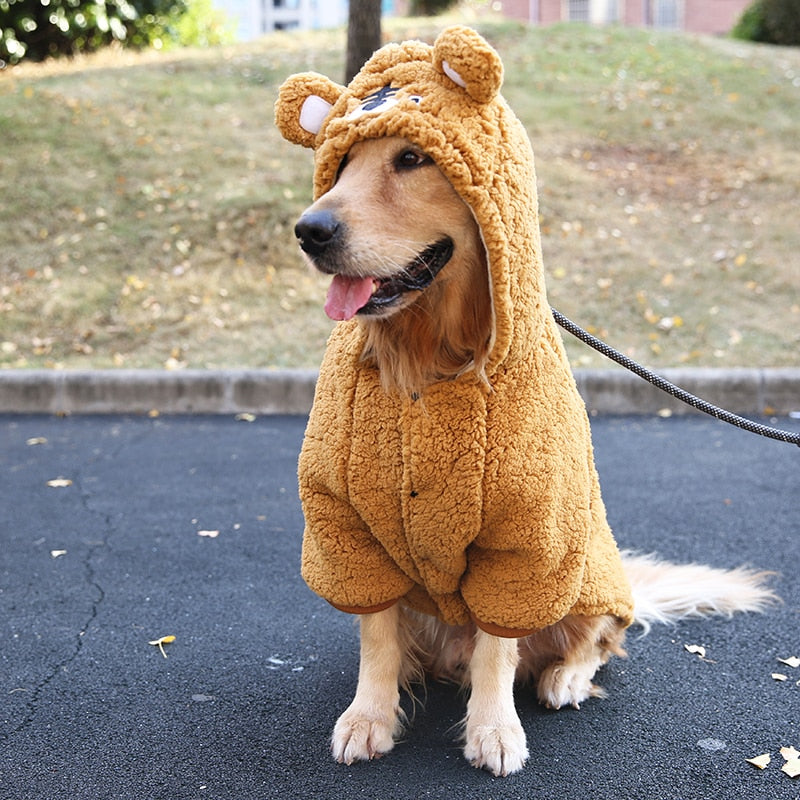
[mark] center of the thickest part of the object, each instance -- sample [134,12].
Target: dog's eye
[409,159]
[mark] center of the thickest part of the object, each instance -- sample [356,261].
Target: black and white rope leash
[671,388]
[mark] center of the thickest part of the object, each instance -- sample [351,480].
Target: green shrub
[38,29]
[429,8]
[771,21]
[156,22]
[783,21]
[203,25]
[752,25]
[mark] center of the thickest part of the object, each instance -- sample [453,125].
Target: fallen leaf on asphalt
[760,761]
[36,440]
[794,661]
[789,754]
[159,643]
[792,768]
[208,534]
[777,676]
[57,553]
[696,649]
[59,483]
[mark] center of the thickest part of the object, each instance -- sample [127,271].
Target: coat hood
[445,99]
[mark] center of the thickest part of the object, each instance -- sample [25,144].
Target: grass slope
[147,202]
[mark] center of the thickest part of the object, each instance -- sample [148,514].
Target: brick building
[697,16]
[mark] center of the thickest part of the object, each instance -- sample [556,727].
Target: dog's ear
[469,61]
[304,100]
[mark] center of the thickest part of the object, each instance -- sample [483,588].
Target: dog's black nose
[316,230]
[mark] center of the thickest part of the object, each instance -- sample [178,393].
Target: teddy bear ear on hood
[469,61]
[304,101]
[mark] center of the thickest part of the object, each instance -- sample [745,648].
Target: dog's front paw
[361,735]
[501,749]
[567,685]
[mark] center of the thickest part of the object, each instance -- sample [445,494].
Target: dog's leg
[368,727]
[495,739]
[569,683]
[586,644]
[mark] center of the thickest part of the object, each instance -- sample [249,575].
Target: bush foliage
[38,29]
[770,21]
[429,8]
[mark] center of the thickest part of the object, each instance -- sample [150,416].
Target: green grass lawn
[147,202]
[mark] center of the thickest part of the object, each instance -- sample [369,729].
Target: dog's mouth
[349,296]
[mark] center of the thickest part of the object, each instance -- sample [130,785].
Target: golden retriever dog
[406,256]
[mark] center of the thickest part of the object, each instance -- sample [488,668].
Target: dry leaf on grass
[59,483]
[159,643]
[761,761]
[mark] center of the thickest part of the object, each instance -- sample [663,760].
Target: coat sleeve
[341,560]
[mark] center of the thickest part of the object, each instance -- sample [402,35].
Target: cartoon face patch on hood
[445,99]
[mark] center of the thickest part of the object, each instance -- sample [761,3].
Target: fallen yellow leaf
[696,649]
[161,642]
[760,761]
[792,768]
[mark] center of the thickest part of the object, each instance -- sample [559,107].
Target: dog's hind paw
[568,685]
[499,749]
[359,736]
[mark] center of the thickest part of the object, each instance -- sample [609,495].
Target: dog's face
[390,224]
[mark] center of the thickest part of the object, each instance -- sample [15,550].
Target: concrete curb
[288,391]
[754,392]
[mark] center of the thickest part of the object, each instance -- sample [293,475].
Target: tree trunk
[363,34]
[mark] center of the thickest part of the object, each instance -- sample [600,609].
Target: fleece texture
[475,501]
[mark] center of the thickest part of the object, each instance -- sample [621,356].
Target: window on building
[665,14]
[578,10]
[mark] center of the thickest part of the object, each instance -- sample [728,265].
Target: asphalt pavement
[118,531]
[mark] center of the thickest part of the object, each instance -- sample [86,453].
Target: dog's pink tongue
[347,295]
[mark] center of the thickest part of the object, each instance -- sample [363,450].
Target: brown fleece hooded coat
[474,502]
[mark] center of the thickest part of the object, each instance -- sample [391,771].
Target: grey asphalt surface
[260,668]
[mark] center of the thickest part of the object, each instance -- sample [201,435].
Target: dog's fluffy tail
[665,592]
